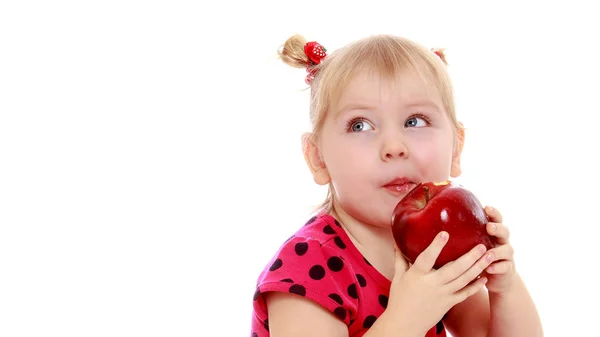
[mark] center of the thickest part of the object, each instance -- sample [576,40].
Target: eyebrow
[361,106]
[351,106]
[425,102]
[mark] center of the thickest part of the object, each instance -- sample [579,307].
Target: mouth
[400,185]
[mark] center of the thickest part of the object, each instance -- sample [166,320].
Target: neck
[375,243]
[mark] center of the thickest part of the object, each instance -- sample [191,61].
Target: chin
[379,216]
[374,210]
[360,211]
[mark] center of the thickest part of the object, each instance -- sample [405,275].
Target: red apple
[430,208]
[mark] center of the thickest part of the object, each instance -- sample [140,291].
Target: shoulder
[312,263]
[314,267]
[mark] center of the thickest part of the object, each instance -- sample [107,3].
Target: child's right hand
[424,295]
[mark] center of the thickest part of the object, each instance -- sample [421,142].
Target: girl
[383,120]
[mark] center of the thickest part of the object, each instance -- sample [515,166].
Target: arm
[294,316]
[506,314]
[470,318]
[513,313]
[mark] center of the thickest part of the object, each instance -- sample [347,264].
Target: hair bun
[292,52]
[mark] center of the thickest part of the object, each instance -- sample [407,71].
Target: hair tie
[440,52]
[315,53]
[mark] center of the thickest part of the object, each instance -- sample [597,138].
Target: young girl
[383,119]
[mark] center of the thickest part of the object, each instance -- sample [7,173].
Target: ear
[455,169]
[313,158]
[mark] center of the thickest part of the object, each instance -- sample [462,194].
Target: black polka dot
[254,334]
[338,242]
[266,324]
[352,291]
[367,261]
[369,321]
[445,316]
[361,280]
[383,300]
[311,220]
[439,327]
[335,263]
[336,298]
[317,272]
[276,265]
[301,248]
[340,312]
[287,280]
[337,223]
[256,294]
[298,290]
[328,230]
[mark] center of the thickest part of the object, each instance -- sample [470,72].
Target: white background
[150,159]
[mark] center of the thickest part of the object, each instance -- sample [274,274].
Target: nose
[393,147]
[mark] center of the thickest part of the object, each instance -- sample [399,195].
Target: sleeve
[318,273]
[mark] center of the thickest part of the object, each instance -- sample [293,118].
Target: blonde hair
[386,55]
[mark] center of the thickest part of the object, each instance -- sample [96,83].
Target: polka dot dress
[321,264]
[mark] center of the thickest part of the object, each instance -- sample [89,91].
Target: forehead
[409,88]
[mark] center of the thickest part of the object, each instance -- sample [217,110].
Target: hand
[501,273]
[425,294]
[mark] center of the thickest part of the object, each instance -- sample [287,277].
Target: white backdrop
[150,159]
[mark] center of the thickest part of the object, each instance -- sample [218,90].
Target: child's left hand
[501,273]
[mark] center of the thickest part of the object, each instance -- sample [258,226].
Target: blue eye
[358,125]
[416,122]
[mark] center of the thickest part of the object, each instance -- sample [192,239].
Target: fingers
[471,289]
[503,260]
[500,231]
[502,271]
[495,226]
[501,267]
[399,263]
[473,272]
[425,261]
[493,214]
[504,252]
[468,261]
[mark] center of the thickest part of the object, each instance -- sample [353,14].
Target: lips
[400,185]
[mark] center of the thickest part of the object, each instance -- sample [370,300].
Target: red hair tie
[440,52]
[315,53]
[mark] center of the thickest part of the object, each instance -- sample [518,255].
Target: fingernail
[444,236]
[493,228]
[481,249]
[489,257]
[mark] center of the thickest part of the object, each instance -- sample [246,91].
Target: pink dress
[320,263]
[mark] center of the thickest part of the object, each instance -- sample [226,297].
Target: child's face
[377,133]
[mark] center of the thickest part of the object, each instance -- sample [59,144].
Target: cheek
[433,160]
[348,159]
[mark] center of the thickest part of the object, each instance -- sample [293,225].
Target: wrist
[391,323]
[512,290]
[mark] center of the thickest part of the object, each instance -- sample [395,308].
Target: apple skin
[430,208]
